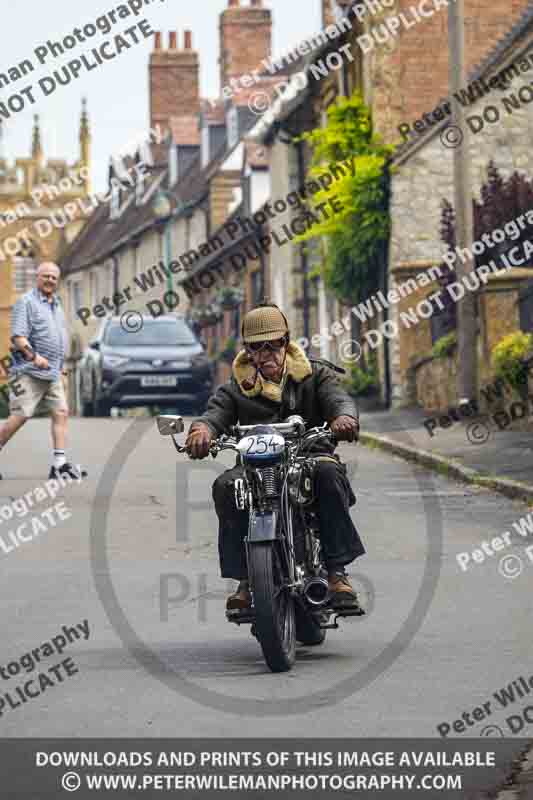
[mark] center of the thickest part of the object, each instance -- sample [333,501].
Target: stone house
[422,178]
[42,208]
[403,77]
[397,81]
[295,282]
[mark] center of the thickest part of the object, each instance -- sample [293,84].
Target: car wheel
[87,409]
[102,408]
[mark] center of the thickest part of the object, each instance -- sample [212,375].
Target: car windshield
[169,333]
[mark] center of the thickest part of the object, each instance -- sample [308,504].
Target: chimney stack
[174,81]
[245,39]
[328,14]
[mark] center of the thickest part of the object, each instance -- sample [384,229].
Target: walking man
[39,343]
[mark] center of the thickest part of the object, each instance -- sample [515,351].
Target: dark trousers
[340,541]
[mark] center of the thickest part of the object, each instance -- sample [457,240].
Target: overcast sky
[117,91]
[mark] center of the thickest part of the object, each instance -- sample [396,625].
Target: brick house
[204,170]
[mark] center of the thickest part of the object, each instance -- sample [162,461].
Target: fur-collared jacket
[309,388]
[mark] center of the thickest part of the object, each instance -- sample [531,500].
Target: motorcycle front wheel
[275,626]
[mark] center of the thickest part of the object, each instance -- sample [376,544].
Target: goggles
[258,347]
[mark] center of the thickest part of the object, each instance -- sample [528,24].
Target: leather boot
[241,599]
[342,592]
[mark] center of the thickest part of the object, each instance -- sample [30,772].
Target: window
[205,146]
[232,121]
[525,299]
[145,154]
[114,207]
[76,296]
[139,188]
[96,294]
[256,279]
[23,274]
[173,177]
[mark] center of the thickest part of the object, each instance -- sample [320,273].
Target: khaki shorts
[36,396]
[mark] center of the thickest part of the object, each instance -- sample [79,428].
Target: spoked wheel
[275,626]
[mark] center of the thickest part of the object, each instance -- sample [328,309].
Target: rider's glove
[345,428]
[199,440]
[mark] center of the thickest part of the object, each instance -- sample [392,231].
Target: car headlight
[115,361]
[200,360]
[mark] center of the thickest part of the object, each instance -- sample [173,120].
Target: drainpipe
[115,274]
[303,253]
[385,283]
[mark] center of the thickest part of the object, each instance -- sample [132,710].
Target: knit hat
[264,324]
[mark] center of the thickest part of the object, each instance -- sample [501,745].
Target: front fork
[264,527]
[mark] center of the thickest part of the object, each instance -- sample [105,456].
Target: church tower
[85,142]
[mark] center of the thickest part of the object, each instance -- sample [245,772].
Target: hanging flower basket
[230,297]
[229,350]
[196,314]
[213,314]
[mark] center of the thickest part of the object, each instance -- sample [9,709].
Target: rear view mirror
[168,424]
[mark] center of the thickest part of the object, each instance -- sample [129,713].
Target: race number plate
[261,446]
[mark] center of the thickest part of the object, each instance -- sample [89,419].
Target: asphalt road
[437,642]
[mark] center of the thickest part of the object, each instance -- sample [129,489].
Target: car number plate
[159,380]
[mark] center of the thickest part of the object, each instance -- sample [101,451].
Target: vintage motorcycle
[288,580]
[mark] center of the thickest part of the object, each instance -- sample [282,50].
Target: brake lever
[222,444]
[179,448]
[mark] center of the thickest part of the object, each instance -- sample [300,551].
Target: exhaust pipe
[316,591]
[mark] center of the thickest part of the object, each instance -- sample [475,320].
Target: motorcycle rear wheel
[275,626]
[308,630]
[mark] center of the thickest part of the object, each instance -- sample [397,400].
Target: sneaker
[76,473]
[241,599]
[341,590]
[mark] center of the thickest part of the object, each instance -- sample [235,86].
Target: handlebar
[296,426]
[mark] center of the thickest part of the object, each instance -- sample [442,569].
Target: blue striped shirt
[43,324]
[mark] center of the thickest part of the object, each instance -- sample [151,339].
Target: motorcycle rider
[272,378]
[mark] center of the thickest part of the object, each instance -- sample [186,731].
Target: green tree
[358,234]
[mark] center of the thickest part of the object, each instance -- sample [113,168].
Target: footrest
[349,612]
[240,616]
